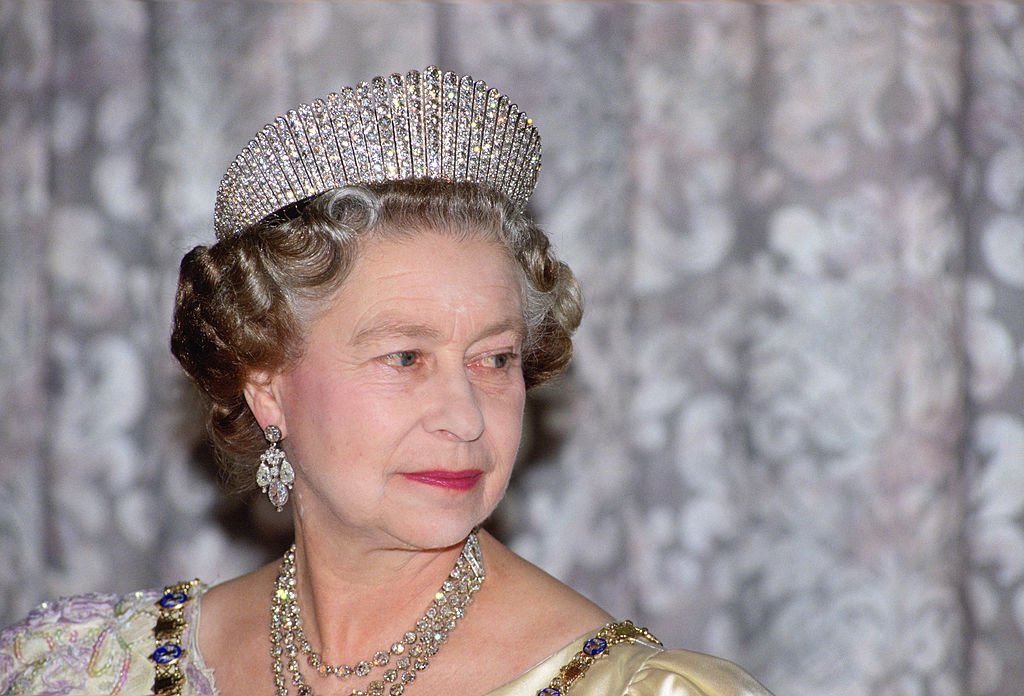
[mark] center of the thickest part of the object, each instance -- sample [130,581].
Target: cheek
[507,418]
[320,414]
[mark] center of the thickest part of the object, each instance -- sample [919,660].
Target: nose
[454,409]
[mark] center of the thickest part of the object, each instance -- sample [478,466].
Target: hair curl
[243,304]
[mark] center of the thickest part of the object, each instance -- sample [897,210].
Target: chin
[438,529]
[433,519]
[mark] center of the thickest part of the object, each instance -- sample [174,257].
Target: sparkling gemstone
[278,494]
[397,689]
[287,473]
[397,648]
[375,688]
[408,677]
[403,663]
[173,599]
[363,668]
[263,475]
[390,675]
[409,637]
[167,654]
[421,663]
[595,646]
[380,658]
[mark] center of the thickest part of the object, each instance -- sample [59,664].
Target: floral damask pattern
[793,434]
[995,347]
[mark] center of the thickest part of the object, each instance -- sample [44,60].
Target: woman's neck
[361,595]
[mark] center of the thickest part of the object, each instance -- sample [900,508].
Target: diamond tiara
[429,124]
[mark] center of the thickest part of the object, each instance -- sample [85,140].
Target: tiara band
[426,124]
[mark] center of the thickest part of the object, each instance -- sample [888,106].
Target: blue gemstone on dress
[166,653]
[173,599]
[549,691]
[595,646]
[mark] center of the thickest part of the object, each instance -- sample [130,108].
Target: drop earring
[274,475]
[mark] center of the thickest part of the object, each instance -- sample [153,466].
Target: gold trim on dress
[593,649]
[169,680]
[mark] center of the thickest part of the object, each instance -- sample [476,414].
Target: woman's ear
[262,395]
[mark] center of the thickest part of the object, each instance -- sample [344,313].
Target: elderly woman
[365,330]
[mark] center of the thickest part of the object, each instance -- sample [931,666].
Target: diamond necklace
[412,653]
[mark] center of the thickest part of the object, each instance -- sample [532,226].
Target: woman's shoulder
[532,601]
[679,671]
[575,647]
[622,658]
[90,643]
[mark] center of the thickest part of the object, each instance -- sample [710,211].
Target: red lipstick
[453,480]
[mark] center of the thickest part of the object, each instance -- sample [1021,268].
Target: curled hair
[244,304]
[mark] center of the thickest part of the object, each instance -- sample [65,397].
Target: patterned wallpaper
[793,434]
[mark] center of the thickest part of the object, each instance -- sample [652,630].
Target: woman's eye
[499,361]
[401,358]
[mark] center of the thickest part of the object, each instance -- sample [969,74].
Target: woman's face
[402,418]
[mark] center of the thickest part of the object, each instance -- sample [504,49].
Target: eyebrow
[392,329]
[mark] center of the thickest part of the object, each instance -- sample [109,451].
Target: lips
[453,480]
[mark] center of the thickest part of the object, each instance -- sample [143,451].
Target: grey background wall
[793,434]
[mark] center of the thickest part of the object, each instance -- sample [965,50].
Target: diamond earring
[274,475]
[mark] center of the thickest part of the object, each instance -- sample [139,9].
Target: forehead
[429,277]
[440,253]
